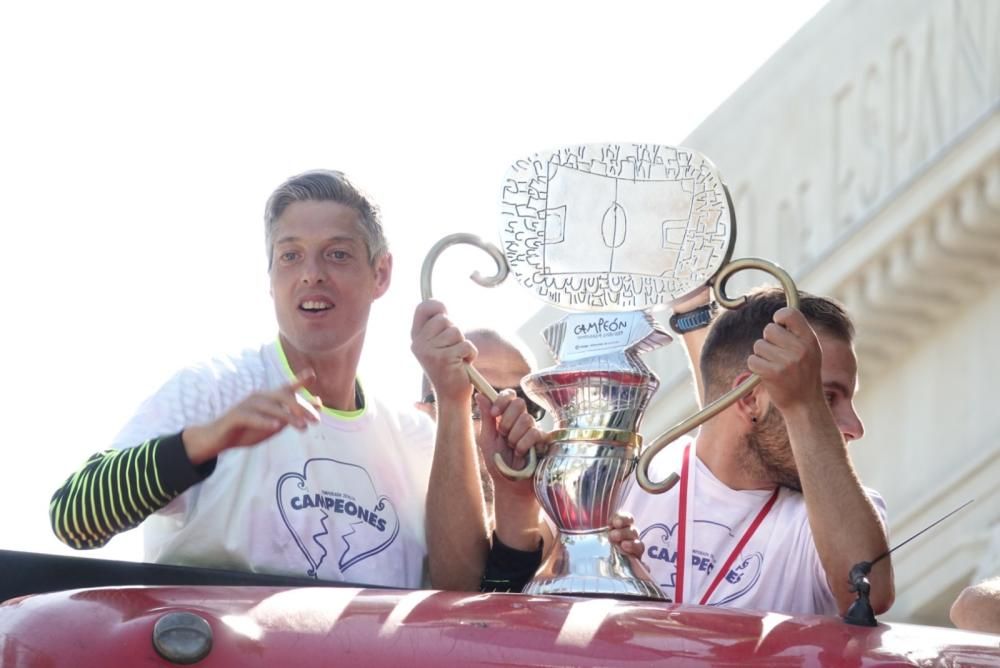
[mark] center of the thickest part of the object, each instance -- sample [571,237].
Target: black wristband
[682,323]
[508,569]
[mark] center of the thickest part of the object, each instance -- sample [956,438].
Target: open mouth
[315,306]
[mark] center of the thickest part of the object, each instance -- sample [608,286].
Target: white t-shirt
[342,501]
[777,570]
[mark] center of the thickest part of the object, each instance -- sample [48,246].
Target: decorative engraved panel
[615,227]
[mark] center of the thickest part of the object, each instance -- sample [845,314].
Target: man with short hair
[769,513]
[238,464]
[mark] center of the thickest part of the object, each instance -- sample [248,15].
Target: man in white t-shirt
[769,513]
[239,464]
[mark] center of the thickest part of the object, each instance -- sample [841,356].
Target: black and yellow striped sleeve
[117,489]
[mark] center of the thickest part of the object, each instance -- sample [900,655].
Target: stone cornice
[922,255]
[926,253]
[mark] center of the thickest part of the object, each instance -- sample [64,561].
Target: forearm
[694,341]
[117,489]
[457,537]
[690,319]
[509,569]
[845,525]
[520,539]
[517,516]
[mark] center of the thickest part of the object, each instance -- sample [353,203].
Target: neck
[720,447]
[335,373]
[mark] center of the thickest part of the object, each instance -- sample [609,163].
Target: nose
[313,270]
[850,424]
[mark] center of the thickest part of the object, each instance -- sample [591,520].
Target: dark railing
[35,573]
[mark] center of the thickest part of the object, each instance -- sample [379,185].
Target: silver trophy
[597,394]
[612,231]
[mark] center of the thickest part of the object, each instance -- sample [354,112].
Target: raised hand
[442,351]
[789,360]
[257,418]
[508,429]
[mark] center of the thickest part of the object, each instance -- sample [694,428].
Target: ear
[383,274]
[753,406]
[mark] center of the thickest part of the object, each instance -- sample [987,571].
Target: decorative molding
[938,264]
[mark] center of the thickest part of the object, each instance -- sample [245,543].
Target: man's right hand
[255,419]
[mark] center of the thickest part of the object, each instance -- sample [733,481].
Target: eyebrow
[840,387]
[337,239]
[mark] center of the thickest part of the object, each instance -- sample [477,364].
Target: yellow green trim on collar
[342,415]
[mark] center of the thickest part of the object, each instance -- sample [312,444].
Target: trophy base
[589,565]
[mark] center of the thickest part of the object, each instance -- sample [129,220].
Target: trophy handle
[730,397]
[490,281]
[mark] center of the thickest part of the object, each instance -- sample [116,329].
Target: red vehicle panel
[278,626]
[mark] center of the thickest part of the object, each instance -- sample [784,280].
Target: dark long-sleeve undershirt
[116,490]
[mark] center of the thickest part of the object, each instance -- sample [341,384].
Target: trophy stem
[587,564]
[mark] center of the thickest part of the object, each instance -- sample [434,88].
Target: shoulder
[977,608]
[232,376]
[878,502]
[196,394]
[406,420]
[249,367]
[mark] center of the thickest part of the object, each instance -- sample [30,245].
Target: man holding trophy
[768,483]
[769,512]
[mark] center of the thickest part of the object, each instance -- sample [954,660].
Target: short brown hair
[732,335]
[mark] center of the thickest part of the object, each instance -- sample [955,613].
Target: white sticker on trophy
[590,334]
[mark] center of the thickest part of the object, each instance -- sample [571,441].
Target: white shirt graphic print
[777,570]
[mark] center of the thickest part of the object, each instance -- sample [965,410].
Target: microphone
[861,612]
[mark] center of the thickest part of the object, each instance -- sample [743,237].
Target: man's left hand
[788,360]
[624,535]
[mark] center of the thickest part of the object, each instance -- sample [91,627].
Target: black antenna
[861,613]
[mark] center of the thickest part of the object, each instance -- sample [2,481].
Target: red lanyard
[682,534]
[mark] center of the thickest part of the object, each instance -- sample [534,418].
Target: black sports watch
[682,323]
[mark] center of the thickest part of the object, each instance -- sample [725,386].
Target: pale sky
[139,142]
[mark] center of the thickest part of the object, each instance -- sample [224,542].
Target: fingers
[625,536]
[792,320]
[514,424]
[424,312]
[533,439]
[302,379]
[282,407]
[488,426]
[787,341]
[433,327]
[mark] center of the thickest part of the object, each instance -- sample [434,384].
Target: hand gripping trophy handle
[729,398]
[491,281]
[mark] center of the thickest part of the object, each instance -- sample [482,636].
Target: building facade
[864,157]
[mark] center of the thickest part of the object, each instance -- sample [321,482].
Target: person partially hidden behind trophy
[237,464]
[460,503]
[769,513]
